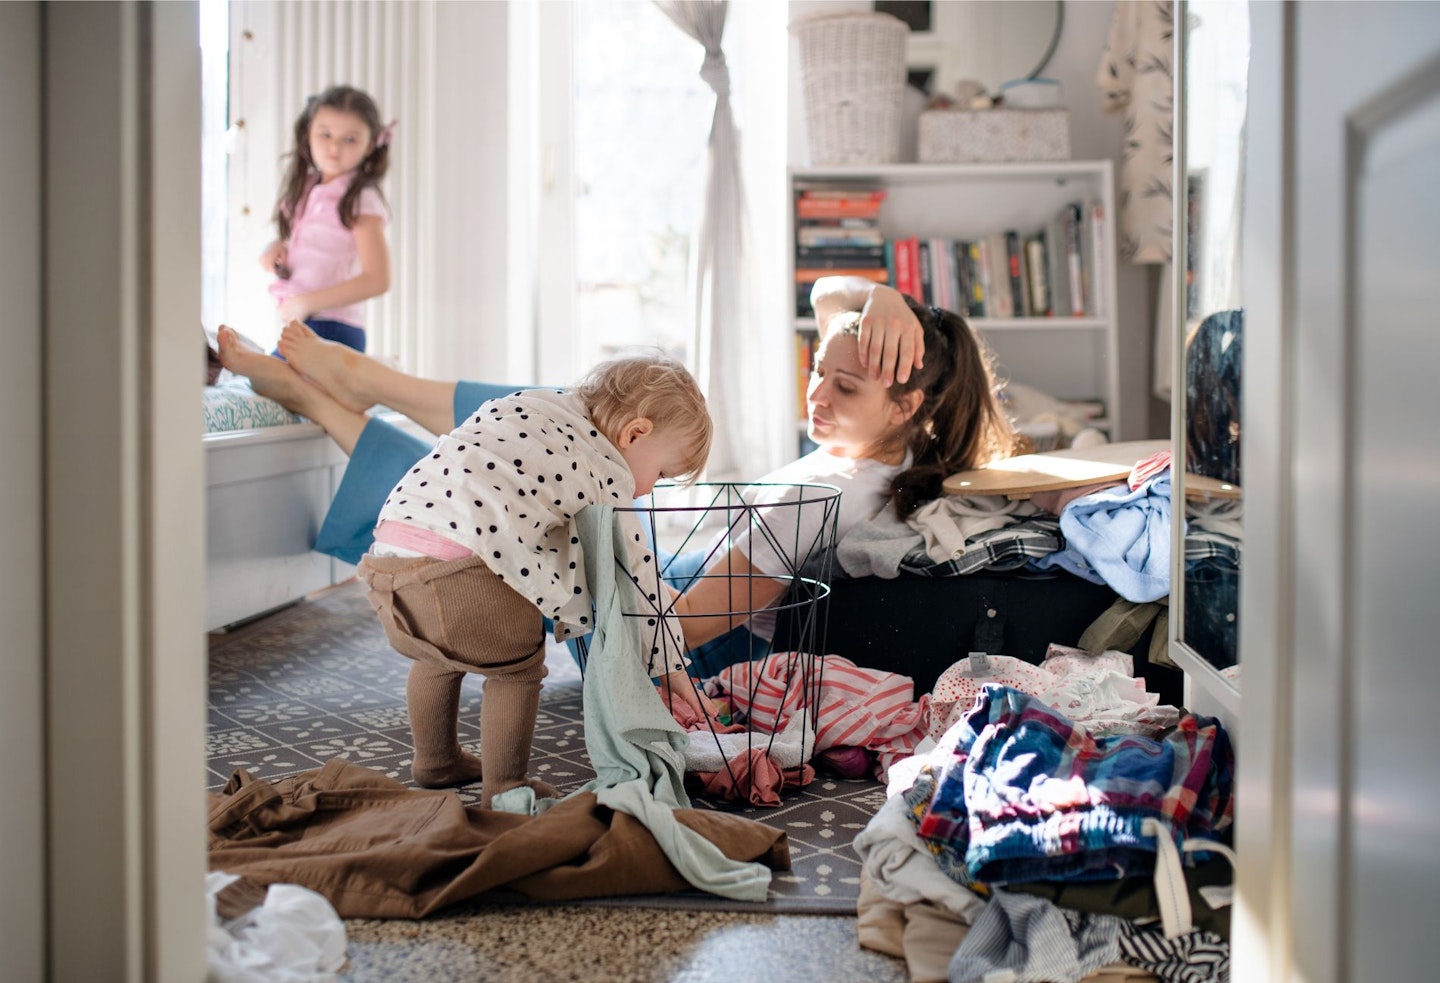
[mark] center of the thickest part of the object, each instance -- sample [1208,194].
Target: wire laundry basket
[852,78]
[791,528]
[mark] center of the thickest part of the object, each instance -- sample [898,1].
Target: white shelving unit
[1066,357]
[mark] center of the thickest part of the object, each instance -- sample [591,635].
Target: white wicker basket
[852,76]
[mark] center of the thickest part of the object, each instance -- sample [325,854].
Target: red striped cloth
[852,706]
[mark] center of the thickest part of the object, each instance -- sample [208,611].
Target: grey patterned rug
[318,680]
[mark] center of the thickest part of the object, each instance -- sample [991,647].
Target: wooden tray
[1023,476]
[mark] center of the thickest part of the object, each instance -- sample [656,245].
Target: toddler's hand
[679,684]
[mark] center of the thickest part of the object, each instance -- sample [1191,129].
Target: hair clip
[386,135]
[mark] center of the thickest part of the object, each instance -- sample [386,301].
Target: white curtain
[723,304]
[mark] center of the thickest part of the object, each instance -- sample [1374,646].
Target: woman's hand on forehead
[892,342]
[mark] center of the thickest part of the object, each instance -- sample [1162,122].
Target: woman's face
[850,414]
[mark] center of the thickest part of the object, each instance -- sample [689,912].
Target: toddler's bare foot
[338,369]
[269,376]
[461,770]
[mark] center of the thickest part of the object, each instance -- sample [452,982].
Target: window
[640,131]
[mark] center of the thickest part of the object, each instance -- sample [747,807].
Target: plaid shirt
[1008,548]
[1034,796]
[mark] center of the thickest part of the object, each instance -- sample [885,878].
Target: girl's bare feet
[269,376]
[335,368]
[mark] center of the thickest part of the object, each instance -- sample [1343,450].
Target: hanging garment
[1135,76]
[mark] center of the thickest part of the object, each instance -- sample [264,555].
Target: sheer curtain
[726,324]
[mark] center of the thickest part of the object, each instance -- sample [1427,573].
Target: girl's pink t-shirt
[322,251]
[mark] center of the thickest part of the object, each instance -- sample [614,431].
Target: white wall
[1094,135]
[471,173]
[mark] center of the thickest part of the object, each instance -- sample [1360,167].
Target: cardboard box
[988,135]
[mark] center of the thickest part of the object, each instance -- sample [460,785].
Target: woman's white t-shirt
[779,538]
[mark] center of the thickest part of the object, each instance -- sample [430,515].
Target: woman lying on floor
[880,441]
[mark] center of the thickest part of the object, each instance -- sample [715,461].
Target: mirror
[1213,55]
[990,41]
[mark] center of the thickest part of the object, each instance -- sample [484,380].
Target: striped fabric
[851,706]
[1199,957]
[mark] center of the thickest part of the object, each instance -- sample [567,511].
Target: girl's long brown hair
[959,425]
[298,174]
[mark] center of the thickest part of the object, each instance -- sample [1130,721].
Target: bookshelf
[1068,357]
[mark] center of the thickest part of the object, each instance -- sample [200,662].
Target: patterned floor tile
[319,681]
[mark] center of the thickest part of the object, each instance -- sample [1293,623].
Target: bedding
[231,404]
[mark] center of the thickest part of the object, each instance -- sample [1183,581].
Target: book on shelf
[1038,273]
[836,222]
[980,257]
[965,302]
[1055,270]
[823,257]
[996,276]
[1015,269]
[998,264]
[1094,257]
[806,344]
[836,210]
[810,274]
[843,192]
[926,292]
[805,281]
[837,235]
[1057,276]
[906,258]
[1071,218]
[944,276]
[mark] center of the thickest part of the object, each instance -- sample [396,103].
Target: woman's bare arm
[891,340]
[730,585]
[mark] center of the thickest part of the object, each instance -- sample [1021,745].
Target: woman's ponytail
[959,424]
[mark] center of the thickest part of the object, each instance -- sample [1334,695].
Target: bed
[269,478]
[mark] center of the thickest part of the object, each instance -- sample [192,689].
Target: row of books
[837,231]
[1055,271]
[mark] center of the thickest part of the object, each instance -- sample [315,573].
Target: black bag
[920,626]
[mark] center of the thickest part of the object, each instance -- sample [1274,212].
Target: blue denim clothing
[350,335]
[380,459]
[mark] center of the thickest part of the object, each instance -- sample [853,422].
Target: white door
[1351,423]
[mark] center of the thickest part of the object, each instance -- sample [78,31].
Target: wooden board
[1199,488]
[1021,477]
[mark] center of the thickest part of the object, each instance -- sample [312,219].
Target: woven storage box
[852,78]
[948,135]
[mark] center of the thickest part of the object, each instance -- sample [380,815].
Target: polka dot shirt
[507,483]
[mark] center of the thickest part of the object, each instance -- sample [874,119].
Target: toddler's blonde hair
[655,386]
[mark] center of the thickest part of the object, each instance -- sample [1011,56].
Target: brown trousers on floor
[452,617]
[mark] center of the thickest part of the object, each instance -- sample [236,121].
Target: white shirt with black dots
[507,483]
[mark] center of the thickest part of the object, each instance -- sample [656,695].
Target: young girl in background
[331,253]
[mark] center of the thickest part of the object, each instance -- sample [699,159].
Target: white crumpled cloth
[295,936]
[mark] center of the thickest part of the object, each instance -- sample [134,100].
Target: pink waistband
[393,533]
